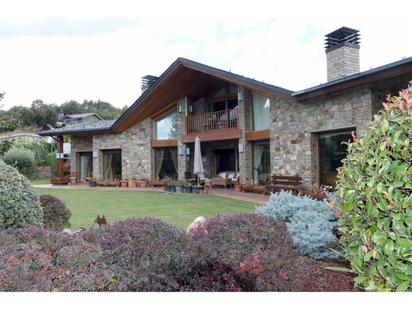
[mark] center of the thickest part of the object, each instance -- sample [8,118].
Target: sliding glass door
[166,163]
[261,162]
[112,164]
[86,165]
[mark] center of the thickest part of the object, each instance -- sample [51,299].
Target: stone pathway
[229,193]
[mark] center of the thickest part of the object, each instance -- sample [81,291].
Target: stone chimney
[342,53]
[148,81]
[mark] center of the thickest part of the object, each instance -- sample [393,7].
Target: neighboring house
[80,118]
[22,137]
[244,125]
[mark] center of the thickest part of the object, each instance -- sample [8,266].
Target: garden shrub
[36,259]
[375,184]
[55,213]
[143,254]
[310,223]
[19,204]
[235,253]
[22,159]
[239,253]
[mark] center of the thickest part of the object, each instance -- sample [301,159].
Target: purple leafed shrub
[241,252]
[230,253]
[55,213]
[143,254]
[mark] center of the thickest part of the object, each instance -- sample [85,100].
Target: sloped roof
[99,126]
[82,116]
[398,67]
[183,71]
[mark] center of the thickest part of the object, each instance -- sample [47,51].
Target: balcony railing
[226,119]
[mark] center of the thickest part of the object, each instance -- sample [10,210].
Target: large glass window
[261,112]
[261,162]
[166,163]
[332,151]
[112,164]
[166,128]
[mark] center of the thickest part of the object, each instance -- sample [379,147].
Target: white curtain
[261,112]
[257,152]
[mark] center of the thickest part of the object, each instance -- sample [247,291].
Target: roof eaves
[353,77]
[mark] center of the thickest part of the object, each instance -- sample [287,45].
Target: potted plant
[238,187]
[187,187]
[317,193]
[302,189]
[132,182]
[92,182]
[171,187]
[179,186]
[143,183]
[197,189]
[125,183]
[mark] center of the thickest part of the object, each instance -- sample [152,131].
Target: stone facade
[79,143]
[295,125]
[294,130]
[342,61]
[134,144]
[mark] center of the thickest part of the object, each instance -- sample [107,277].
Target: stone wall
[79,143]
[135,144]
[295,125]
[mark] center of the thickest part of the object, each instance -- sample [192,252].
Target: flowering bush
[311,224]
[19,204]
[55,213]
[375,183]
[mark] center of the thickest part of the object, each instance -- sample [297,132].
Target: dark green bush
[19,204]
[55,213]
[375,183]
[22,159]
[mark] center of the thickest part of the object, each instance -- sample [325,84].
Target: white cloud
[283,49]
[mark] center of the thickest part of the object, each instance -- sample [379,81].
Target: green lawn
[40,181]
[177,209]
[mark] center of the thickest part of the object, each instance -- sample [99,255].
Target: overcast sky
[62,50]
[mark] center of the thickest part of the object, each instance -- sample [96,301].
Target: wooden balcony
[227,119]
[221,125]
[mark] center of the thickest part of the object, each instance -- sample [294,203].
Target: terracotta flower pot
[142,184]
[125,184]
[132,184]
[238,188]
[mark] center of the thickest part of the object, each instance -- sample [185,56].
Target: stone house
[249,128]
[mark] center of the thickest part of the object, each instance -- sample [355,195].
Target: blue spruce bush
[310,223]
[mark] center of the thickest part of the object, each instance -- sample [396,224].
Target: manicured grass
[40,181]
[179,210]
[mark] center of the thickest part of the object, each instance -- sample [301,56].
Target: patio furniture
[287,183]
[160,183]
[221,180]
